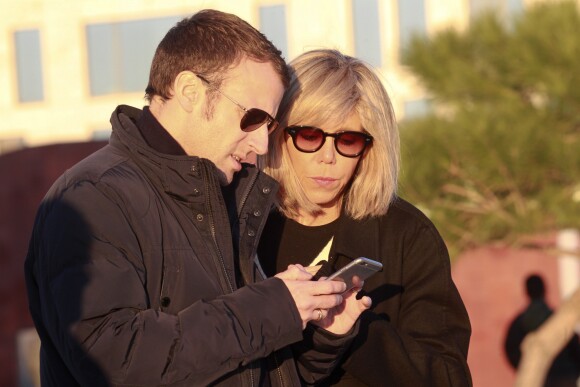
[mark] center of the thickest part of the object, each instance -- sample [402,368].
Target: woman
[336,156]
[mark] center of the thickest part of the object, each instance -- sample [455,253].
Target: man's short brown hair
[209,43]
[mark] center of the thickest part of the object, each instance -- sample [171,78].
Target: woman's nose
[327,153]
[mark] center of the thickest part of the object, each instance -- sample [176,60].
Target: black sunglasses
[253,119]
[309,139]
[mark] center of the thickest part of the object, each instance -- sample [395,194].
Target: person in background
[336,156]
[141,266]
[565,369]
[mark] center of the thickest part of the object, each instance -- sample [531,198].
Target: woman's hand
[340,319]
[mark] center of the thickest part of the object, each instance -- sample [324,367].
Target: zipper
[247,193]
[220,255]
[242,204]
[212,230]
[251,377]
[278,369]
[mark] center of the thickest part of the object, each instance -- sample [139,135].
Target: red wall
[491,281]
[26,176]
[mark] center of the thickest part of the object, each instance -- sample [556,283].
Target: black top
[286,241]
[417,331]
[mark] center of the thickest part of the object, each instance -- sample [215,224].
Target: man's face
[219,137]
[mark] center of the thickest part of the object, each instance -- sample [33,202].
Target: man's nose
[259,140]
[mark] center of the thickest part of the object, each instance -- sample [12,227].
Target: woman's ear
[187,88]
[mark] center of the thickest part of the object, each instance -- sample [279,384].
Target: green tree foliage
[499,157]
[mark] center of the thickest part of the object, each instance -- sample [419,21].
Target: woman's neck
[320,218]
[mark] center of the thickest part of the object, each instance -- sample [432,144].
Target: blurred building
[65,64]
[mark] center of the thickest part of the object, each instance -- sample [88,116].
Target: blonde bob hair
[326,87]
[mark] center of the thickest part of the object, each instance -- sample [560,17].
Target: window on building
[29,66]
[514,7]
[273,25]
[367,32]
[101,134]
[120,54]
[412,20]
[503,8]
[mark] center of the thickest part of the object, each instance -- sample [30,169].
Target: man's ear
[187,88]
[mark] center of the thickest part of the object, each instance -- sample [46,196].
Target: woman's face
[325,173]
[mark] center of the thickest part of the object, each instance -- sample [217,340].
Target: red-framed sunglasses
[309,139]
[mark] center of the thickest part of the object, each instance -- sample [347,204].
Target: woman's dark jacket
[417,331]
[133,278]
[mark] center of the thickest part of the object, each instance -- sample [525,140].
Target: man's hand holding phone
[331,302]
[341,319]
[312,298]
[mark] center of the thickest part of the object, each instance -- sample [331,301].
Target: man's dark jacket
[133,278]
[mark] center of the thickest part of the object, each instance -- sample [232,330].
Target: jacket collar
[179,175]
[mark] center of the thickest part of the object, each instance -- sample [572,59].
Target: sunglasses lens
[308,139]
[350,143]
[254,118]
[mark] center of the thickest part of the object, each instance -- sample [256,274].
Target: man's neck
[156,136]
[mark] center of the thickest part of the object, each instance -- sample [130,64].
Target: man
[565,369]
[140,269]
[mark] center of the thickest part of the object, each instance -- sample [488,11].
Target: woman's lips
[323,181]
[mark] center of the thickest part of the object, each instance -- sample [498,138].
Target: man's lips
[237,162]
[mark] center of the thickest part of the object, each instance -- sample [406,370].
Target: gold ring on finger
[319,314]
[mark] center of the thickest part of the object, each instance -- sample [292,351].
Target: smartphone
[361,267]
